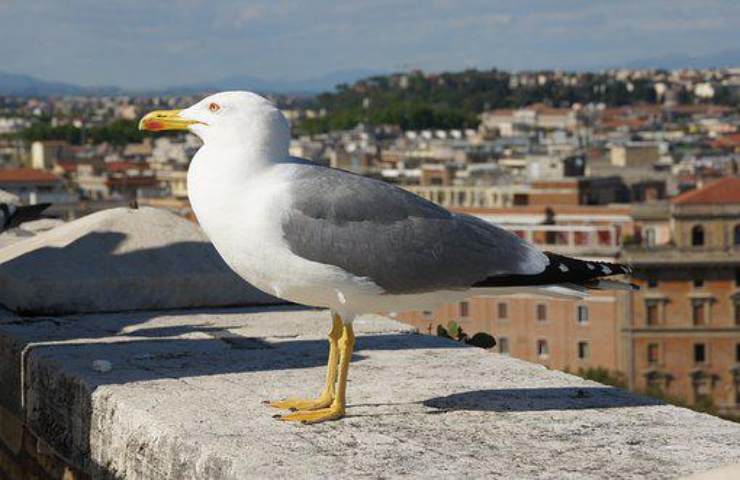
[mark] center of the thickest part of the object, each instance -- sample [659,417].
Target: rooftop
[170,383]
[670,255]
[723,191]
[26,175]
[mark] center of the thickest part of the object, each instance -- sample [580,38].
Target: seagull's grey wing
[398,240]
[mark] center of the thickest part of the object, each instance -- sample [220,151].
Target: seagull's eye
[214,107]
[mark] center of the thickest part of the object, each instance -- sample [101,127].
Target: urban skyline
[200,42]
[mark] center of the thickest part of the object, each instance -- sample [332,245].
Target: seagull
[12,214]
[325,237]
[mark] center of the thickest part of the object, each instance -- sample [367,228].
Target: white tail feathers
[563,290]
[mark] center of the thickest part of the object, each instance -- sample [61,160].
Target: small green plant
[455,332]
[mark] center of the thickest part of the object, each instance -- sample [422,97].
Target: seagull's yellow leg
[327,396]
[336,409]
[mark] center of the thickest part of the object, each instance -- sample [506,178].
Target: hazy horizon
[138,45]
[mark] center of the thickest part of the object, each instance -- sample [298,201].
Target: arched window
[697,236]
[737,235]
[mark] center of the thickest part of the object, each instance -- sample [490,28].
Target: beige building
[679,335]
[685,329]
[636,154]
[562,192]
[46,154]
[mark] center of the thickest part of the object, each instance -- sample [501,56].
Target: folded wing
[401,242]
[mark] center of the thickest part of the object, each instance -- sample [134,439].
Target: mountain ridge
[20,84]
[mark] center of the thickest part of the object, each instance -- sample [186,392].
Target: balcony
[588,240]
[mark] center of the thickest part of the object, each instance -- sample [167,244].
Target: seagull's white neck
[247,147]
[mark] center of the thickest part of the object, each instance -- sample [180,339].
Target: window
[698,282]
[700,353]
[698,312]
[737,353]
[464,309]
[652,282]
[543,351]
[736,303]
[649,237]
[737,235]
[503,345]
[651,312]
[428,314]
[654,381]
[737,277]
[652,353]
[702,389]
[541,312]
[697,236]
[503,310]
[582,314]
[583,350]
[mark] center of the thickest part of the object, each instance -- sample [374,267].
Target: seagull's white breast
[243,219]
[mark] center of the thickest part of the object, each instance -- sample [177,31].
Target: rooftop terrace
[183,399]
[176,393]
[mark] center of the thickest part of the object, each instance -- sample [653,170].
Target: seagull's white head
[228,120]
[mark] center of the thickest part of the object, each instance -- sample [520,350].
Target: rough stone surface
[183,400]
[120,259]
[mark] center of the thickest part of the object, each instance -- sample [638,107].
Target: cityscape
[631,165]
[274,239]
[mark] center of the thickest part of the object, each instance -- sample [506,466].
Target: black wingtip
[26,213]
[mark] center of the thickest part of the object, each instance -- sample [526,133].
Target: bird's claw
[315,416]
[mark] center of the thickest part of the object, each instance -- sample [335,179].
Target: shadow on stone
[540,399]
[120,260]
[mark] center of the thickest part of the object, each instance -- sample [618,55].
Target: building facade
[678,336]
[685,329]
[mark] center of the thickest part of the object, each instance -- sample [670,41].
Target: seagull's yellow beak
[159,120]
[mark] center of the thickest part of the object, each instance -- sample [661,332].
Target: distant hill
[725,59]
[313,85]
[17,84]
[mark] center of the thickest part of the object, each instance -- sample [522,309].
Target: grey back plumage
[401,242]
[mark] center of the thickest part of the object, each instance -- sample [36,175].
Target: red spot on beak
[153,125]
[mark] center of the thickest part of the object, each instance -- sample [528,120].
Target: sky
[159,43]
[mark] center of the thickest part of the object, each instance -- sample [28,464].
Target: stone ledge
[183,400]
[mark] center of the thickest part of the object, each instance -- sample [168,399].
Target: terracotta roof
[67,166]
[120,166]
[27,175]
[727,141]
[725,190]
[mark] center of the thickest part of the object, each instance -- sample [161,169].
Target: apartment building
[685,329]
[679,335]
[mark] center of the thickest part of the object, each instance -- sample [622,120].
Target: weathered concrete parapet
[182,399]
[120,259]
